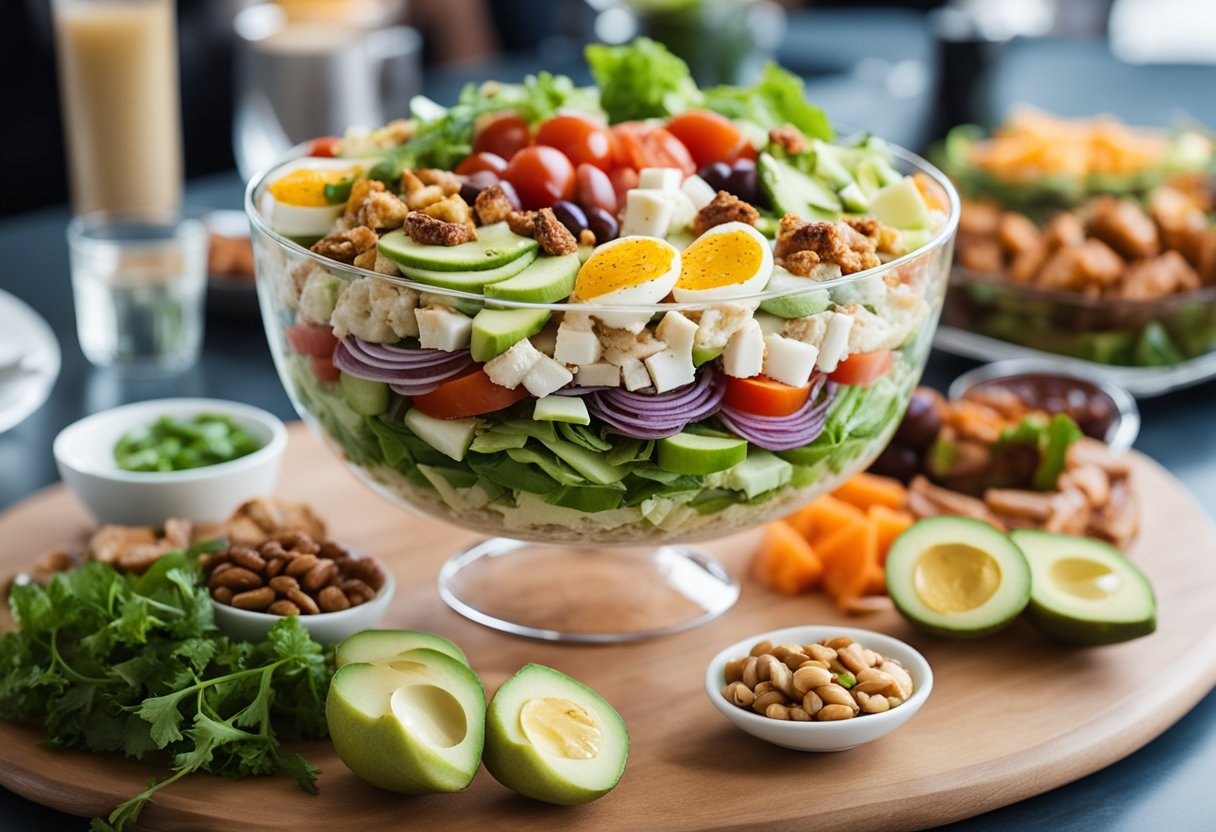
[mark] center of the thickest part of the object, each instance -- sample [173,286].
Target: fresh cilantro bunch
[110,662]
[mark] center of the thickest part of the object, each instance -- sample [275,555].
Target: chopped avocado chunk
[762,471]
[496,330]
[854,198]
[954,576]
[1084,591]
[805,298]
[561,409]
[495,246]
[901,205]
[451,437]
[690,453]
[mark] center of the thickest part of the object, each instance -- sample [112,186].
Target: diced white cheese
[647,213]
[546,376]
[634,374]
[576,346]
[512,367]
[744,353]
[683,211]
[788,361]
[699,192]
[660,179]
[678,332]
[835,344]
[601,374]
[440,328]
[669,370]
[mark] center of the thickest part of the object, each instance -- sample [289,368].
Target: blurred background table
[869,68]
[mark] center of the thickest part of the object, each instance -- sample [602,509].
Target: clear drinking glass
[138,281]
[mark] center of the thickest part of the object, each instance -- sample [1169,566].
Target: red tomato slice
[583,140]
[476,162]
[503,134]
[629,149]
[468,395]
[313,340]
[325,147]
[863,369]
[708,136]
[764,397]
[666,151]
[323,368]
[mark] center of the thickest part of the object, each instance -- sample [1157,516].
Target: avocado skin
[1068,630]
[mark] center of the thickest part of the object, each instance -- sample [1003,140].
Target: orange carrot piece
[824,517]
[865,490]
[848,558]
[891,524]
[876,581]
[785,561]
[933,193]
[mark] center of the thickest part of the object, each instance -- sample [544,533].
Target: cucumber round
[496,245]
[690,453]
[472,282]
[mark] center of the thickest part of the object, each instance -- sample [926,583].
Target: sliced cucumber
[496,330]
[854,198]
[451,437]
[901,205]
[472,282]
[545,280]
[690,453]
[367,398]
[790,191]
[496,245]
[570,409]
[590,464]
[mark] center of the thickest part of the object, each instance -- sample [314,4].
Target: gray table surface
[1165,785]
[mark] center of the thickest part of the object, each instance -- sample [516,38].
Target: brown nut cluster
[829,680]
[291,574]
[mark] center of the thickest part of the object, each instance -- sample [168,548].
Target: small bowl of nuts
[818,687]
[334,591]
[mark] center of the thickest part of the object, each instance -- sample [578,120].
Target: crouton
[724,208]
[430,231]
[789,138]
[493,205]
[345,246]
[372,205]
[833,242]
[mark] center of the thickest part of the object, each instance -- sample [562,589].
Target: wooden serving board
[1010,716]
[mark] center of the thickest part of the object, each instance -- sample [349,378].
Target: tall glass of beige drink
[118,83]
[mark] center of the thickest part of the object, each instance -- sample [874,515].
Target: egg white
[646,293]
[302,220]
[748,286]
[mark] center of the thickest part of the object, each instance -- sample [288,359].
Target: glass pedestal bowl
[588,534]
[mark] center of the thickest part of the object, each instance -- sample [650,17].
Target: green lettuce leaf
[641,80]
[779,98]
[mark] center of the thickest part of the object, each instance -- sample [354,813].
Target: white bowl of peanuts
[818,687]
[335,592]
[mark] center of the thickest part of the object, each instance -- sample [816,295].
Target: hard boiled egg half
[295,204]
[629,271]
[727,261]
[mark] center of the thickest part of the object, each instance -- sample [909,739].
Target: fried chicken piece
[788,137]
[724,208]
[257,520]
[1157,277]
[1123,226]
[1018,234]
[430,231]
[1063,230]
[833,242]
[493,205]
[979,219]
[345,246]
[1092,266]
[372,205]
[981,254]
[136,548]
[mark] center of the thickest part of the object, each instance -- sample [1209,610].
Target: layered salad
[632,312]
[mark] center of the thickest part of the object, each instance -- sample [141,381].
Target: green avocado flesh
[495,246]
[958,577]
[552,738]
[382,646]
[1084,591]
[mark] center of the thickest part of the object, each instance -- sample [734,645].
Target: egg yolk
[626,264]
[720,260]
[306,188]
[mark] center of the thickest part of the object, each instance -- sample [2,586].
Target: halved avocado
[1084,591]
[384,646]
[954,576]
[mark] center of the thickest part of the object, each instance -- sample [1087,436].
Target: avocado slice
[1084,591]
[552,738]
[790,191]
[805,297]
[384,646]
[691,453]
[496,330]
[495,246]
[954,576]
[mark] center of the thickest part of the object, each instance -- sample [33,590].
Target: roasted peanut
[765,665]
[354,586]
[799,715]
[809,678]
[222,594]
[751,672]
[300,566]
[274,566]
[282,584]
[772,697]
[238,579]
[776,711]
[838,643]
[254,599]
[782,679]
[831,713]
[319,575]
[871,704]
[737,694]
[304,602]
[734,670]
[811,703]
[834,694]
[854,658]
[818,652]
[283,607]
[761,647]
[331,599]
[246,557]
[763,687]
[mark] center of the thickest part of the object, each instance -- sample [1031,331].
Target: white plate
[24,337]
[1142,382]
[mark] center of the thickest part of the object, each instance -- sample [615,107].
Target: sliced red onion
[657,415]
[408,372]
[783,433]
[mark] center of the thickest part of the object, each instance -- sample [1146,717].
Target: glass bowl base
[585,595]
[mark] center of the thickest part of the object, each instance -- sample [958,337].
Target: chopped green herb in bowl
[173,444]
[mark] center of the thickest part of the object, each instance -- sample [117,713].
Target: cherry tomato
[503,135]
[323,368]
[475,162]
[582,140]
[325,147]
[593,188]
[708,136]
[623,180]
[541,176]
[764,397]
[468,395]
[863,369]
[313,340]
[629,149]
[666,151]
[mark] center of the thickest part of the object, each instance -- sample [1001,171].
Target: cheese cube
[634,374]
[546,376]
[788,361]
[509,369]
[698,191]
[660,179]
[647,213]
[683,211]
[835,346]
[669,370]
[678,332]
[601,374]
[576,346]
[441,328]
[744,353]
